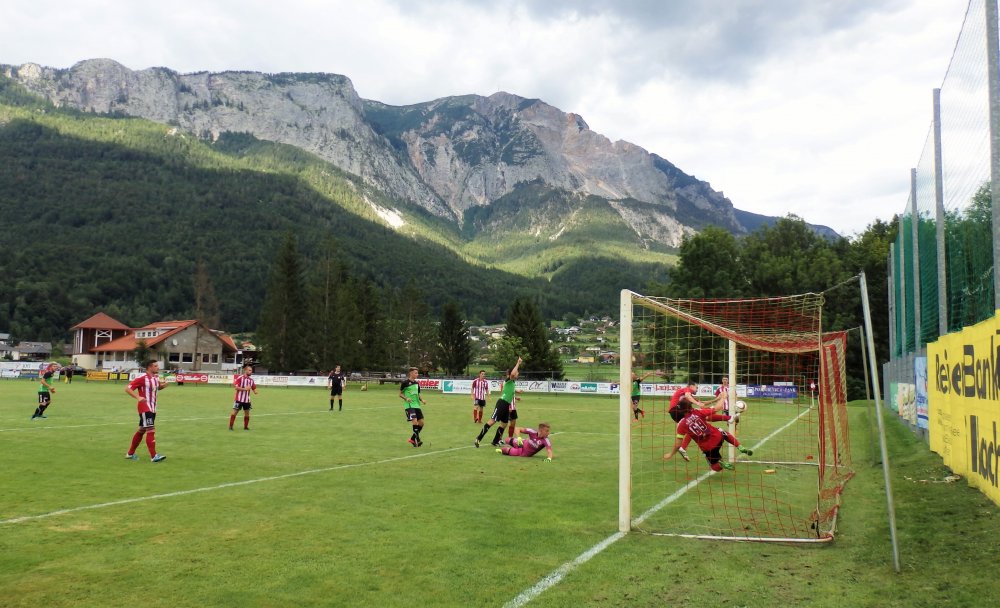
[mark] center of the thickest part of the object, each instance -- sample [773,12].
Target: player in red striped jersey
[480,391]
[144,390]
[694,425]
[243,384]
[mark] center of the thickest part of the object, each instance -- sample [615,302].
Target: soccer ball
[741,406]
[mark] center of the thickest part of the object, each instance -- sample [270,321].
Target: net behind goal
[786,372]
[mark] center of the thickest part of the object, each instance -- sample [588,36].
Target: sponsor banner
[193,378]
[920,392]
[97,376]
[963,403]
[429,383]
[464,387]
[456,386]
[35,366]
[10,373]
[306,381]
[533,386]
[272,380]
[771,391]
[906,402]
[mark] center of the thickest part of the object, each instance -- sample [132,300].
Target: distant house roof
[100,321]
[34,348]
[165,329]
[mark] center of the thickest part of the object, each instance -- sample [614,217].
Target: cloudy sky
[812,107]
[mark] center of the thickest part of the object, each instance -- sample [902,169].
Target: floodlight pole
[878,417]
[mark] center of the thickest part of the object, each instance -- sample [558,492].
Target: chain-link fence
[941,265]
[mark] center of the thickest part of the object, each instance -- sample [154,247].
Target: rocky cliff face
[446,156]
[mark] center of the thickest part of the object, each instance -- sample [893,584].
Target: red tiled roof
[128,341]
[100,321]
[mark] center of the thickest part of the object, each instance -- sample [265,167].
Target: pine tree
[524,321]
[455,348]
[282,322]
[206,303]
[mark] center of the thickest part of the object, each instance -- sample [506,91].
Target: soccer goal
[789,378]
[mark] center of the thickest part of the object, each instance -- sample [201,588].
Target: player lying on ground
[536,440]
[694,425]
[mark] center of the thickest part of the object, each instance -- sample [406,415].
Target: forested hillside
[114,214]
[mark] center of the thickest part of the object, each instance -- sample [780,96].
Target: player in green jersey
[637,391]
[45,391]
[409,392]
[501,412]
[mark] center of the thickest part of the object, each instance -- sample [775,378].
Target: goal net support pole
[625,413]
[866,309]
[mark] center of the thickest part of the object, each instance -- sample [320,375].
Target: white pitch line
[34,427]
[233,484]
[555,577]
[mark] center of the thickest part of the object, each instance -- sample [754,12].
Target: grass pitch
[319,508]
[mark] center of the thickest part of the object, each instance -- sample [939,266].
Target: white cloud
[816,108]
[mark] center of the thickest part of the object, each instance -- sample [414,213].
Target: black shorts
[635,400]
[480,403]
[676,415]
[44,398]
[501,411]
[414,413]
[147,420]
[239,405]
[336,391]
[513,415]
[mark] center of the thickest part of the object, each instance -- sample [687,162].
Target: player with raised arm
[686,395]
[45,391]
[144,389]
[480,392]
[501,411]
[532,445]
[337,382]
[637,392]
[243,383]
[409,392]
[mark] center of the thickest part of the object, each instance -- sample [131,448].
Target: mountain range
[447,156]
[478,198]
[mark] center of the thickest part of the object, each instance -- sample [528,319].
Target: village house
[102,342]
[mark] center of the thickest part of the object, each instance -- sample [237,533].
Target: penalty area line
[232,484]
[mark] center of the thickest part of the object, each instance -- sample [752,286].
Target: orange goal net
[780,379]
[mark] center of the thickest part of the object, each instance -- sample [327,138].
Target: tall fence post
[902,304]
[942,275]
[993,65]
[915,235]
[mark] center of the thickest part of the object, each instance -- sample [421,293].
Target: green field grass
[319,508]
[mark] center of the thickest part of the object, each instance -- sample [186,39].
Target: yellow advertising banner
[963,409]
[97,376]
